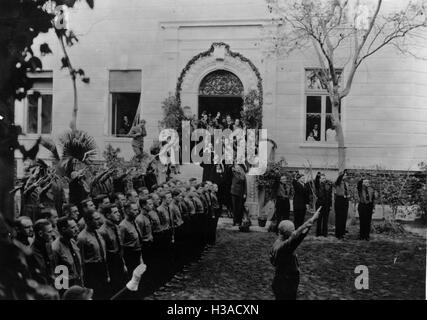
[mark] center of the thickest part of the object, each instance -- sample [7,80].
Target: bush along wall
[396,189]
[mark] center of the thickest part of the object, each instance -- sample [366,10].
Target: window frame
[39,112]
[323,94]
[111,114]
[114,114]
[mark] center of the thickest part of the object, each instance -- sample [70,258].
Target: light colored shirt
[144,225]
[176,214]
[190,205]
[110,233]
[315,134]
[163,214]
[89,246]
[331,135]
[129,235]
[138,130]
[155,221]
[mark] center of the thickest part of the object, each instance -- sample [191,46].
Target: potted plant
[246,222]
[262,219]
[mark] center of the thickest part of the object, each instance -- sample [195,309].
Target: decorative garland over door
[208,53]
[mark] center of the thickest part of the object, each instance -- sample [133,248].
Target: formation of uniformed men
[102,240]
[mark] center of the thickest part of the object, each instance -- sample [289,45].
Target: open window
[125,94]
[318,109]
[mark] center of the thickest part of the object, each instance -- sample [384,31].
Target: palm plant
[78,147]
[44,182]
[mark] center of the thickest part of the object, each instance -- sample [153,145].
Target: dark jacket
[341,187]
[208,171]
[301,195]
[238,183]
[283,257]
[79,191]
[42,263]
[323,193]
[366,194]
[120,183]
[198,204]
[64,256]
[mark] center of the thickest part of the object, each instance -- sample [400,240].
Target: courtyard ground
[237,267]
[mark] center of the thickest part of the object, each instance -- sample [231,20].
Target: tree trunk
[73,123]
[336,120]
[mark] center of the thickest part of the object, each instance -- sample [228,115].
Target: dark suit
[67,253]
[324,200]
[238,194]
[365,209]
[283,193]
[42,263]
[79,191]
[301,199]
[285,261]
[226,186]
[341,206]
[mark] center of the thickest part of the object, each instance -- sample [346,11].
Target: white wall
[386,110]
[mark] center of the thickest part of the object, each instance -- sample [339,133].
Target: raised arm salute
[341,204]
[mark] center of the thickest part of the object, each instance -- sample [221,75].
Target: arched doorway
[221,91]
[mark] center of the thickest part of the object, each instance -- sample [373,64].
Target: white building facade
[211,53]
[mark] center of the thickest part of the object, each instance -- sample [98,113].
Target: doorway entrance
[221,91]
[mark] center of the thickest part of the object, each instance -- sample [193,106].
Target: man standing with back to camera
[301,199]
[341,204]
[283,257]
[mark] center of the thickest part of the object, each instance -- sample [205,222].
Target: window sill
[33,136]
[319,145]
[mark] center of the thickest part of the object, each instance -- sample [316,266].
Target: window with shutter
[125,94]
